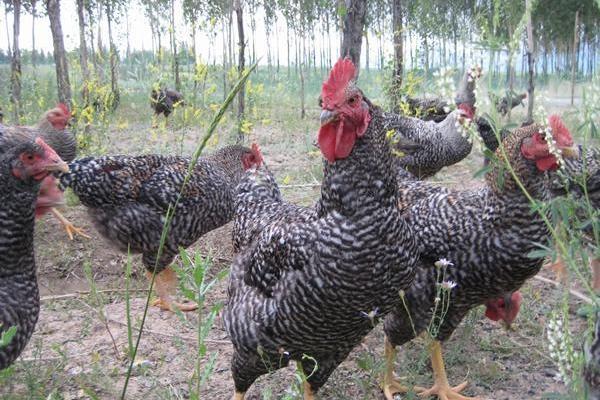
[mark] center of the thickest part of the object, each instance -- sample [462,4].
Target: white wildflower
[448,285]
[443,263]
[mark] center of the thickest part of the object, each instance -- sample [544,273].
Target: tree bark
[83,54]
[398,52]
[113,58]
[15,62]
[60,58]
[574,56]
[353,27]
[7,28]
[530,63]
[174,48]
[239,13]
[33,50]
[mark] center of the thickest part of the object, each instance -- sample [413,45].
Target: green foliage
[7,336]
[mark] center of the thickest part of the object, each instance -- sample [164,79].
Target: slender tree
[83,54]
[239,14]
[60,58]
[355,13]
[530,62]
[398,52]
[15,62]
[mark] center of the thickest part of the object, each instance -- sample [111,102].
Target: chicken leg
[165,284]
[391,386]
[69,227]
[308,392]
[441,388]
[238,396]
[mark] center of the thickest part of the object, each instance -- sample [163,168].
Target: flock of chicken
[307,284]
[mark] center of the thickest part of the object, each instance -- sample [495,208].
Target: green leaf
[7,336]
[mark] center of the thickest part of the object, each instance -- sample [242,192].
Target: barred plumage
[308,279]
[23,163]
[128,198]
[434,138]
[486,233]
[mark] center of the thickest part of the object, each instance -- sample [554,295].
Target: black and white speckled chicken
[164,101]
[24,162]
[487,235]
[428,146]
[128,197]
[316,282]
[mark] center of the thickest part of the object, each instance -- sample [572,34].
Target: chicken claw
[169,305]
[444,391]
[69,227]
[441,388]
[391,385]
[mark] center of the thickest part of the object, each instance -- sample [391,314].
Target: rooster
[128,198]
[24,163]
[486,235]
[164,101]
[315,282]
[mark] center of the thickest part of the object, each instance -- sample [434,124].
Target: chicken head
[345,113]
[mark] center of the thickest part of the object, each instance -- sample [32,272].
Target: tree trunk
[573,55]
[353,27]
[302,90]
[398,52]
[174,48]
[33,51]
[128,48]
[60,58]
[239,13]
[288,47]
[114,72]
[530,63]
[100,57]
[15,63]
[367,50]
[83,56]
[7,28]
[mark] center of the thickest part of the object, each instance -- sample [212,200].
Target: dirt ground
[80,341]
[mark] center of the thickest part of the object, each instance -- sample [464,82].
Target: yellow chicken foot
[69,227]
[308,393]
[441,388]
[391,386]
[238,396]
[560,270]
[165,284]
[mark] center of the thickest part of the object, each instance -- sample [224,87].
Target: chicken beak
[570,152]
[57,165]
[328,117]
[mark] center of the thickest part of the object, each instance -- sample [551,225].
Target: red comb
[257,153]
[560,132]
[63,107]
[332,91]
[47,149]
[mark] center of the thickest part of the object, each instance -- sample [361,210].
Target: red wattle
[547,163]
[492,313]
[336,140]
[344,142]
[326,141]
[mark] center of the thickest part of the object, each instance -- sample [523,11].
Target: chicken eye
[352,100]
